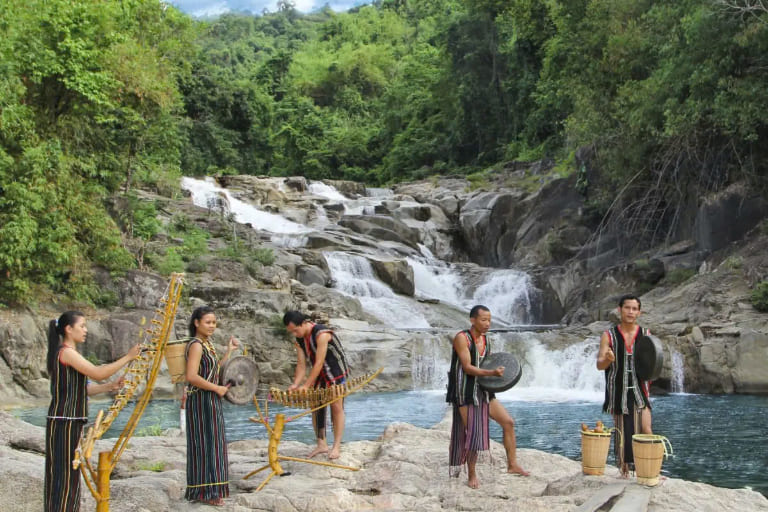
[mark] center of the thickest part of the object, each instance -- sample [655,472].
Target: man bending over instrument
[320,346]
[472,405]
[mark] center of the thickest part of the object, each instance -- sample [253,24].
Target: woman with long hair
[69,373]
[207,461]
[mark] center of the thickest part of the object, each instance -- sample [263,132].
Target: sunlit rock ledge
[405,469]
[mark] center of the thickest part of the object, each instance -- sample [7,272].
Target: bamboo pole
[102,482]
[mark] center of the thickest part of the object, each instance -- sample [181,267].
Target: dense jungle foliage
[668,99]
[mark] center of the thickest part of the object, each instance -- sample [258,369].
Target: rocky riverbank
[405,469]
[696,289]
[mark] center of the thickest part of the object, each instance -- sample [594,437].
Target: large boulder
[381,227]
[728,216]
[397,274]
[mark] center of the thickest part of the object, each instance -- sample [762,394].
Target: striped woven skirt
[62,483]
[207,462]
[470,439]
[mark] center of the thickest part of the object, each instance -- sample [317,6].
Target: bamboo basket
[649,451]
[174,358]
[594,451]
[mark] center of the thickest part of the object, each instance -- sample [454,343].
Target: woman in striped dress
[207,462]
[69,373]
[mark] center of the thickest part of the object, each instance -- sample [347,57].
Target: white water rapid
[677,384]
[354,276]
[506,292]
[549,375]
[207,194]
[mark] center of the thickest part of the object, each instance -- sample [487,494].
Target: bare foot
[473,482]
[216,502]
[335,453]
[317,451]
[516,469]
[624,472]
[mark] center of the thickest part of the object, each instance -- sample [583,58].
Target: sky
[205,8]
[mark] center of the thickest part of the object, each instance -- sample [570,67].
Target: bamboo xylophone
[141,370]
[317,397]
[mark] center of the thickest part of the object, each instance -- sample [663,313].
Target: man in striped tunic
[472,405]
[626,396]
[319,346]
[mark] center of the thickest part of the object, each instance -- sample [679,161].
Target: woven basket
[649,451]
[594,451]
[174,358]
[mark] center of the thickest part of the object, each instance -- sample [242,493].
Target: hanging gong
[512,372]
[242,374]
[649,357]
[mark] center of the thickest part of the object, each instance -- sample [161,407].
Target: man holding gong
[472,404]
[626,390]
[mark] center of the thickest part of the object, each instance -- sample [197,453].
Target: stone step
[634,499]
[601,497]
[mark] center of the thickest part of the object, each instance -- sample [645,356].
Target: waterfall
[354,276]
[567,374]
[206,194]
[383,193]
[505,292]
[318,188]
[677,382]
[437,280]
[549,375]
[360,206]
[430,362]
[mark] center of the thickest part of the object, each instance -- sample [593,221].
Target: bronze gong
[649,357]
[512,372]
[242,374]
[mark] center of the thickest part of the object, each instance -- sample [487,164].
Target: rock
[406,468]
[296,183]
[310,274]
[350,189]
[647,271]
[728,216]
[397,274]
[381,227]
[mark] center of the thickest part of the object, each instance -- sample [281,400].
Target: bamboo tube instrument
[145,367]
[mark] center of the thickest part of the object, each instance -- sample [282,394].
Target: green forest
[101,98]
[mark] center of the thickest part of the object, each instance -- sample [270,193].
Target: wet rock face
[577,275]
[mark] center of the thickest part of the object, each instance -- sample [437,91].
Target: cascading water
[360,206]
[567,374]
[319,188]
[506,292]
[677,383]
[381,193]
[206,194]
[549,375]
[354,276]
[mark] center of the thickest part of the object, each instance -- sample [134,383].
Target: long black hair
[56,332]
[197,314]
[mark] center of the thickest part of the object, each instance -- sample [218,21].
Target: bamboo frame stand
[276,432]
[148,363]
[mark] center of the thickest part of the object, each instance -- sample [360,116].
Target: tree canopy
[98,98]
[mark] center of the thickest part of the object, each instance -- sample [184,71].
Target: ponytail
[56,331]
[53,346]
